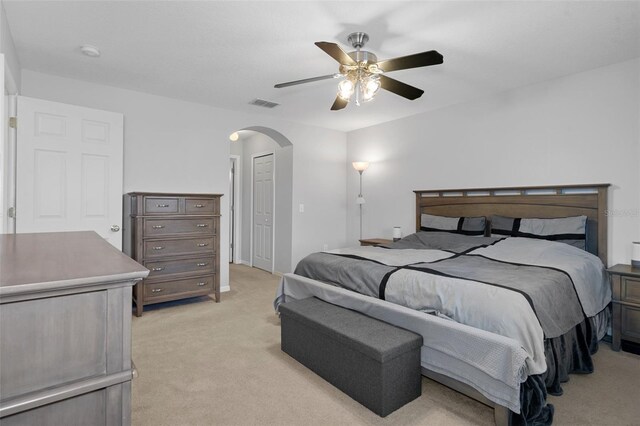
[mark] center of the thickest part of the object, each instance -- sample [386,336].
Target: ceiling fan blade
[417,60]
[400,88]
[306,80]
[339,103]
[335,52]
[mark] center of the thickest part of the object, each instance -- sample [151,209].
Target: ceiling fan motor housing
[361,56]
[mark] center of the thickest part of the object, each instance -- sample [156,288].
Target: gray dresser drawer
[178,247]
[52,341]
[201,265]
[107,406]
[163,227]
[630,291]
[87,409]
[199,205]
[630,323]
[168,290]
[161,205]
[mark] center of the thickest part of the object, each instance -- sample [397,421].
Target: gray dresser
[65,330]
[176,237]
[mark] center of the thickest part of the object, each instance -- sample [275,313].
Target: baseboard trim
[225,288]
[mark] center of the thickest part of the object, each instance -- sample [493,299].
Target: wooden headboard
[526,201]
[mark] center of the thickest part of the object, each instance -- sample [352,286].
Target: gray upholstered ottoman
[373,362]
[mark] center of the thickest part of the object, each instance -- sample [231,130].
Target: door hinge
[13,122]
[11,212]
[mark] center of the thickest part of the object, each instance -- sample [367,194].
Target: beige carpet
[205,363]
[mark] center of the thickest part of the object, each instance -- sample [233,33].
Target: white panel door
[69,169]
[263,212]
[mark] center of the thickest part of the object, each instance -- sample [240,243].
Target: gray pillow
[457,225]
[569,230]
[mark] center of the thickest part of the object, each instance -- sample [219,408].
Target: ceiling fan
[364,75]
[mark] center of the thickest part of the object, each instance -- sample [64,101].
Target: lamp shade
[635,254]
[360,166]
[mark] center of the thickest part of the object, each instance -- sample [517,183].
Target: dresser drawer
[630,291]
[167,289]
[178,247]
[161,205]
[38,337]
[202,265]
[630,323]
[162,227]
[199,206]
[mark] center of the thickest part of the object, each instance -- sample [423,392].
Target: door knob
[115,228]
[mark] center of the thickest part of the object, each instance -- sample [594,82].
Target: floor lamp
[360,167]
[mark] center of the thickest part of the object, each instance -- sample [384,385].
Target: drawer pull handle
[157,269]
[158,248]
[201,225]
[158,226]
[198,206]
[156,290]
[201,284]
[202,244]
[162,205]
[201,264]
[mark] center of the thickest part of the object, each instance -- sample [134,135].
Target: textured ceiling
[227,53]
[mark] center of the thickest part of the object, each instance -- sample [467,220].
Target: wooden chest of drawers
[176,237]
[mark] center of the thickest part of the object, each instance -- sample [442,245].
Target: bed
[526,311]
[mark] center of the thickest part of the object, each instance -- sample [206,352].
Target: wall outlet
[301,208]
[325,247]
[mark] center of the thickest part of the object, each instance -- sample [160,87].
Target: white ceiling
[227,53]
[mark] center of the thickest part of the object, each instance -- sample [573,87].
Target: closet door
[263,212]
[69,169]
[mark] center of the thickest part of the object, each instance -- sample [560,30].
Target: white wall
[258,143]
[178,146]
[7,47]
[581,128]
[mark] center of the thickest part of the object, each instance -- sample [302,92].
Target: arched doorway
[269,151]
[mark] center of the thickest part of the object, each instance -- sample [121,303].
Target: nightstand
[625,284]
[375,242]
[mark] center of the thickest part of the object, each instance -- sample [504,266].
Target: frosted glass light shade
[234,136]
[370,88]
[345,89]
[360,166]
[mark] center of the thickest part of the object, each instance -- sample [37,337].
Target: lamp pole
[360,200]
[360,166]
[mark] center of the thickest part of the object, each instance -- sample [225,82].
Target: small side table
[374,242]
[625,285]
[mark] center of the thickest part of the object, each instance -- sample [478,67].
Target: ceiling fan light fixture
[345,89]
[370,88]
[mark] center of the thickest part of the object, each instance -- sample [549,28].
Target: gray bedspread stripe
[550,293]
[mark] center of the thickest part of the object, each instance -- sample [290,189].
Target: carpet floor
[206,363]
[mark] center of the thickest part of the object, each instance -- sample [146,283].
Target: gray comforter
[487,283]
